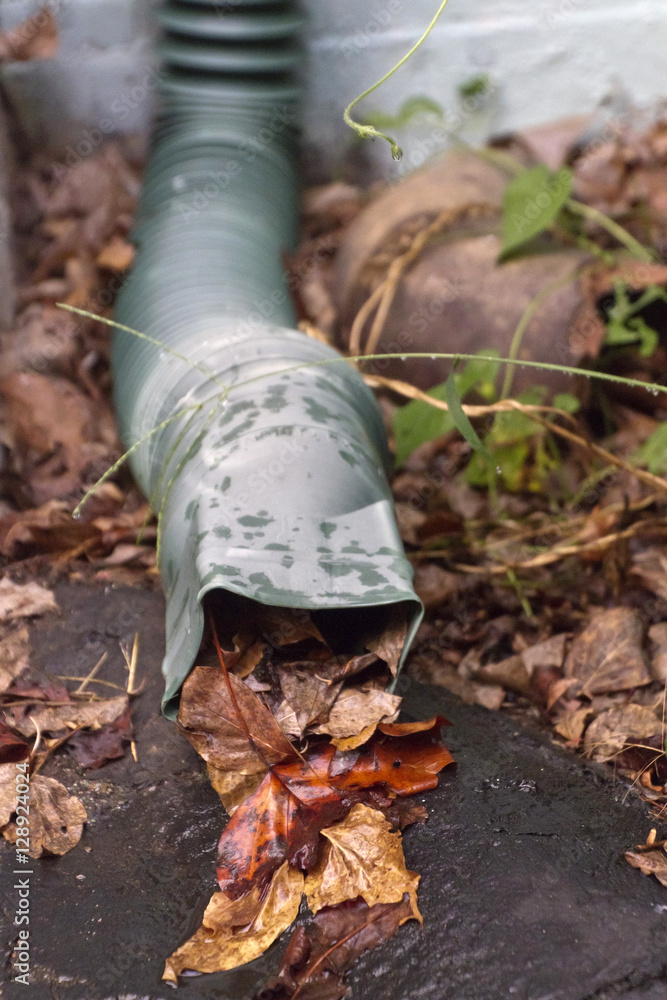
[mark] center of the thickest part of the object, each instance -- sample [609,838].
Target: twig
[645,477]
[53,745]
[96,680]
[533,413]
[554,555]
[84,684]
[383,296]
[131,662]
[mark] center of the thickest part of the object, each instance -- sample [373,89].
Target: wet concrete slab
[525,893]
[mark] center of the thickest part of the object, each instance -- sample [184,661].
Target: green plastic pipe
[272,484]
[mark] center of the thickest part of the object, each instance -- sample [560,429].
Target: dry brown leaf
[491,696]
[286,718]
[388,644]
[49,528]
[608,655]
[650,568]
[571,725]
[612,730]
[218,724]
[56,817]
[234,932]
[232,787]
[309,694]
[356,709]
[435,585]
[54,428]
[649,863]
[93,714]
[14,656]
[286,626]
[24,600]
[34,38]
[516,672]
[658,636]
[364,858]
[249,656]
[116,255]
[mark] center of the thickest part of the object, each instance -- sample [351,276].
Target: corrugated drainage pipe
[275,491]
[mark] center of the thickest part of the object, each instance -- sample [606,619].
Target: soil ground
[525,893]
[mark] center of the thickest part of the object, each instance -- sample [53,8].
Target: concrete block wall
[545,59]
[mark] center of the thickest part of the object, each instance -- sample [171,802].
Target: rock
[455,297]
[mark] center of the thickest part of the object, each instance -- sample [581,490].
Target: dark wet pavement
[525,893]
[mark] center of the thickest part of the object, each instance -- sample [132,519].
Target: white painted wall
[546,59]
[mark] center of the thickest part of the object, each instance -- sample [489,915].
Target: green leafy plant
[513,447]
[653,453]
[370,131]
[417,422]
[531,203]
[626,326]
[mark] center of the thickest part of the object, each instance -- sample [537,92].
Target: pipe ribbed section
[271,484]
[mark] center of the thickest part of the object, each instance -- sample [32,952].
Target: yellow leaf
[233,788]
[363,857]
[219,944]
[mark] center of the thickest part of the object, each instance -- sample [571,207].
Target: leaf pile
[72,219]
[319,816]
[36,706]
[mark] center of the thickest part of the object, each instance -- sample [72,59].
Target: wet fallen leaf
[318,957]
[13,750]
[612,730]
[56,817]
[236,931]
[34,38]
[363,857]
[408,728]
[352,742]
[232,787]
[296,800]
[94,749]
[649,863]
[356,709]
[228,725]
[24,600]
[276,824]
[406,765]
[608,654]
[76,713]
